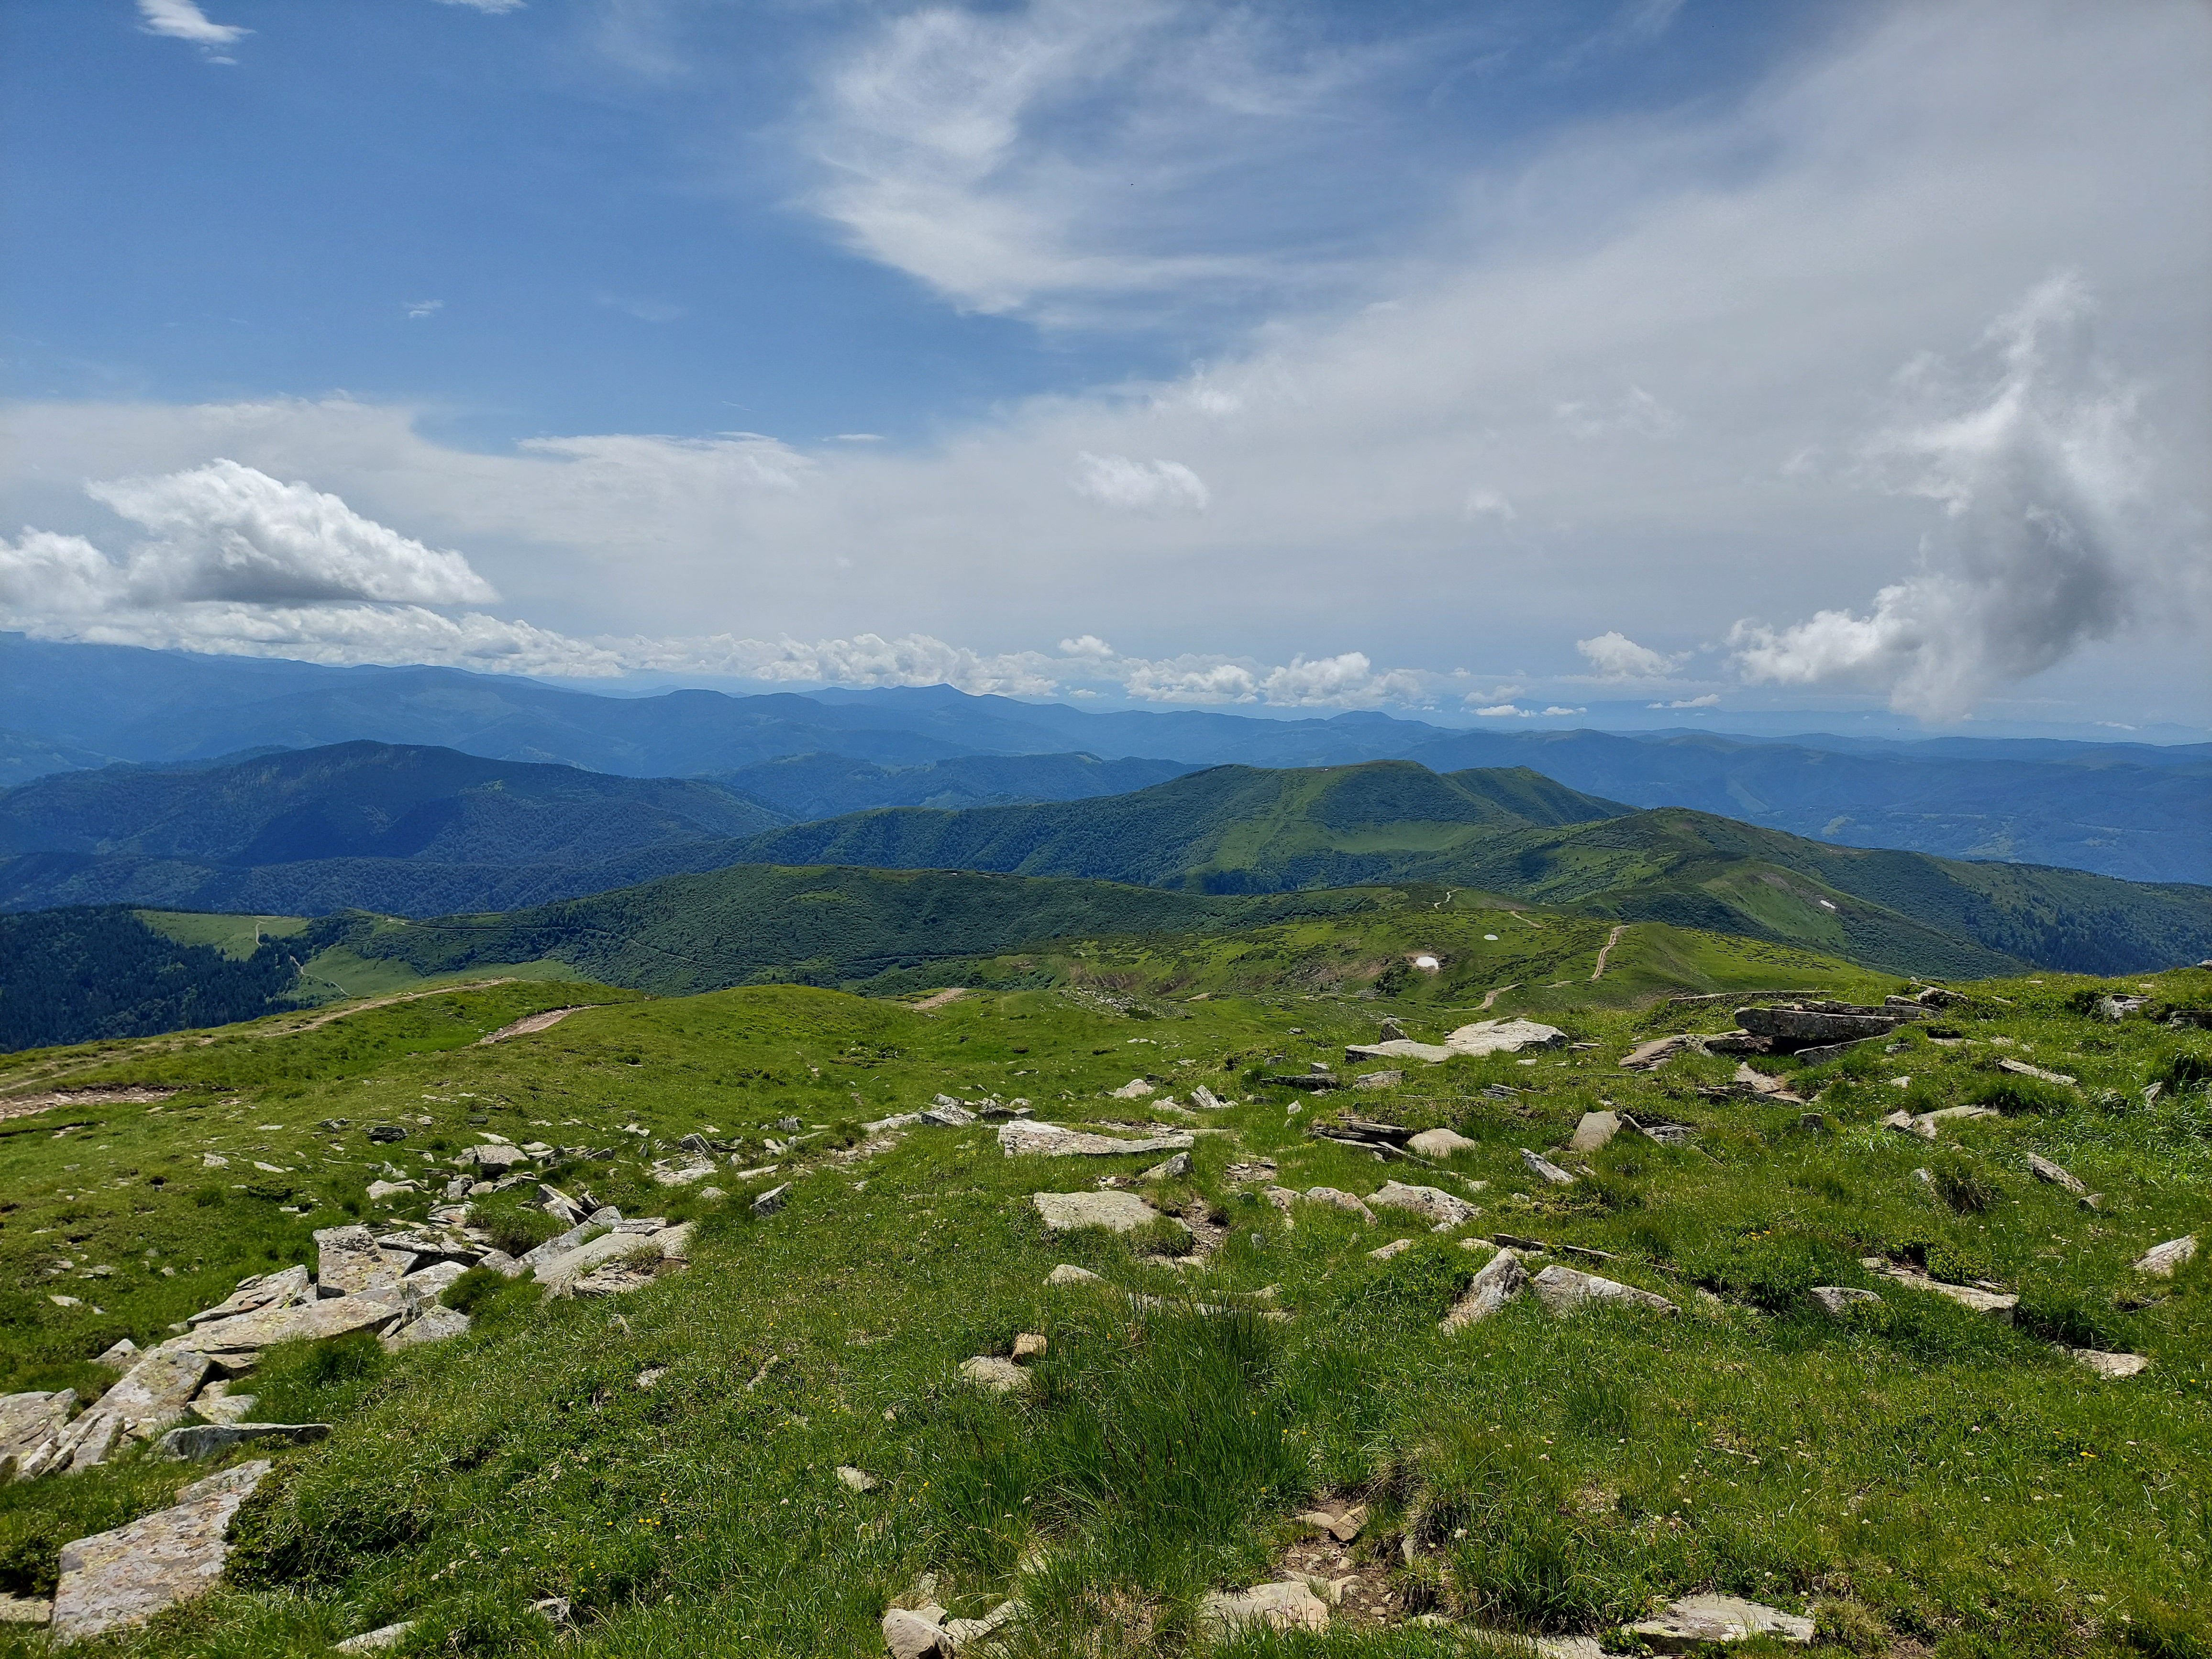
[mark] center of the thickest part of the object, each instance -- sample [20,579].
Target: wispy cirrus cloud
[183,20]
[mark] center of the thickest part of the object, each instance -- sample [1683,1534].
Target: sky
[1500,362]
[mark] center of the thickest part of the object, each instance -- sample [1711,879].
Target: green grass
[1925,1479]
[236,937]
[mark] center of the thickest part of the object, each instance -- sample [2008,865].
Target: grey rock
[1067,1273]
[156,1391]
[1996,1304]
[1646,1056]
[1284,1605]
[858,1479]
[2163,1260]
[25,1610]
[501,1262]
[561,1243]
[1690,1623]
[948,1117]
[1338,1200]
[375,1641]
[769,1202]
[1439,1144]
[994,1372]
[310,1321]
[1175,1169]
[431,1283]
[1030,1138]
[1395,1247]
[1796,1027]
[1827,1053]
[433,1324]
[1594,1131]
[2043,1170]
[1545,1169]
[1502,1278]
[1378,1080]
[493,1156]
[1118,1211]
[119,1356]
[1399,1048]
[278,1290]
[2119,1008]
[1565,1290]
[608,1249]
[1206,1099]
[1441,1208]
[2021,1068]
[28,1421]
[386,1134]
[2112,1366]
[1840,1301]
[963,1633]
[119,1579]
[195,1442]
[349,1260]
[910,1636]
[224,1408]
[1505,1036]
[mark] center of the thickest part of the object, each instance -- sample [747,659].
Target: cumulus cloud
[183,20]
[1710,700]
[1617,657]
[2039,466]
[1118,481]
[227,532]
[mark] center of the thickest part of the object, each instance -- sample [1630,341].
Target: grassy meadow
[1919,1479]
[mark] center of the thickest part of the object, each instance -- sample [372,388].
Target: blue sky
[1486,360]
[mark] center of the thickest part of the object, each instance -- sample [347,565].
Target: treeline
[87,974]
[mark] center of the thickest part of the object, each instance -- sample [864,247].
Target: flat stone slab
[1996,1304]
[27,1421]
[2113,1366]
[1399,1048]
[349,1260]
[565,1269]
[1841,1301]
[1439,1144]
[2021,1068]
[25,1610]
[1027,1138]
[2164,1260]
[310,1322]
[1337,1199]
[1505,1036]
[1068,1273]
[1287,1606]
[1803,1028]
[1696,1620]
[278,1290]
[1441,1208]
[1120,1213]
[156,1391]
[992,1372]
[1545,1169]
[1502,1278]
[384,1636]
[1594,1131]
[120,1579]
[2043,1170]
[198,1441]
[1565,1290]
[434,1324]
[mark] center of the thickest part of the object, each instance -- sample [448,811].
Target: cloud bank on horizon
[1862,379]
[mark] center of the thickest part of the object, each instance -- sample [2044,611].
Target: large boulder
[1565,1290]
[1505,1036]
[1028,1138]
[1790,1027]
[1441,1208]
[1120,1213]
[349,1260]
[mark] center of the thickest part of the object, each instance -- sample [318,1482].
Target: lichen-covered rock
[1287,1605]
[1028,1138]
[1505,1036]
[1502,1278]
[1441,1208]
[1118,1212]
[1565,1290]
[2164,1260]
[119,1579]
[1694,1620]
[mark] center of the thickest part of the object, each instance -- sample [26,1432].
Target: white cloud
[1617,657]
[417,309]
[227,532]
[1503,711]
[1483,502]
[1118,481]
[2039,476]
[182,19]
[490,8]
[1710,700]
[1556,709]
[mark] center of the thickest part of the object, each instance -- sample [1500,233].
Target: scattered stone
[379,1191]
[1067,1273]
[1395,1247]
[1996,1304]
[682,1171]
[2113,1366]
[1378,1079]
[25,1610]
[433,1324]
[1287,1605]
[997,1374]
[384,1636]
[1502,1278]
[156,1392]
[1840,1301]
[1759,1084]
[1594,1131]
[1648,1056]
[216,1404]
[1927,1124]
[947,1115]
[30,1421]
[1440,1144]
[1828,1052]
[910,1636]
[1565,1290]
[1799,1026]
[1399,1048]
[2021,1068]
[197,1441]
[1028,1348]
[1545,1169]
[1340,1200]
[2163,1260]
[769,1202]
[1030,1138]
[119,1579]
[562,1274]
[310,1322]
[1337,1520]
[1505,1036]
[1120,1213]
[2043,1170]
[348,1260]
[1439,1206]
[960,1633]
[1690,1623]
[1204,1098]
[385,1134]
[858,1479]
[1135,1089]
[279,1290]
[1175,1169]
